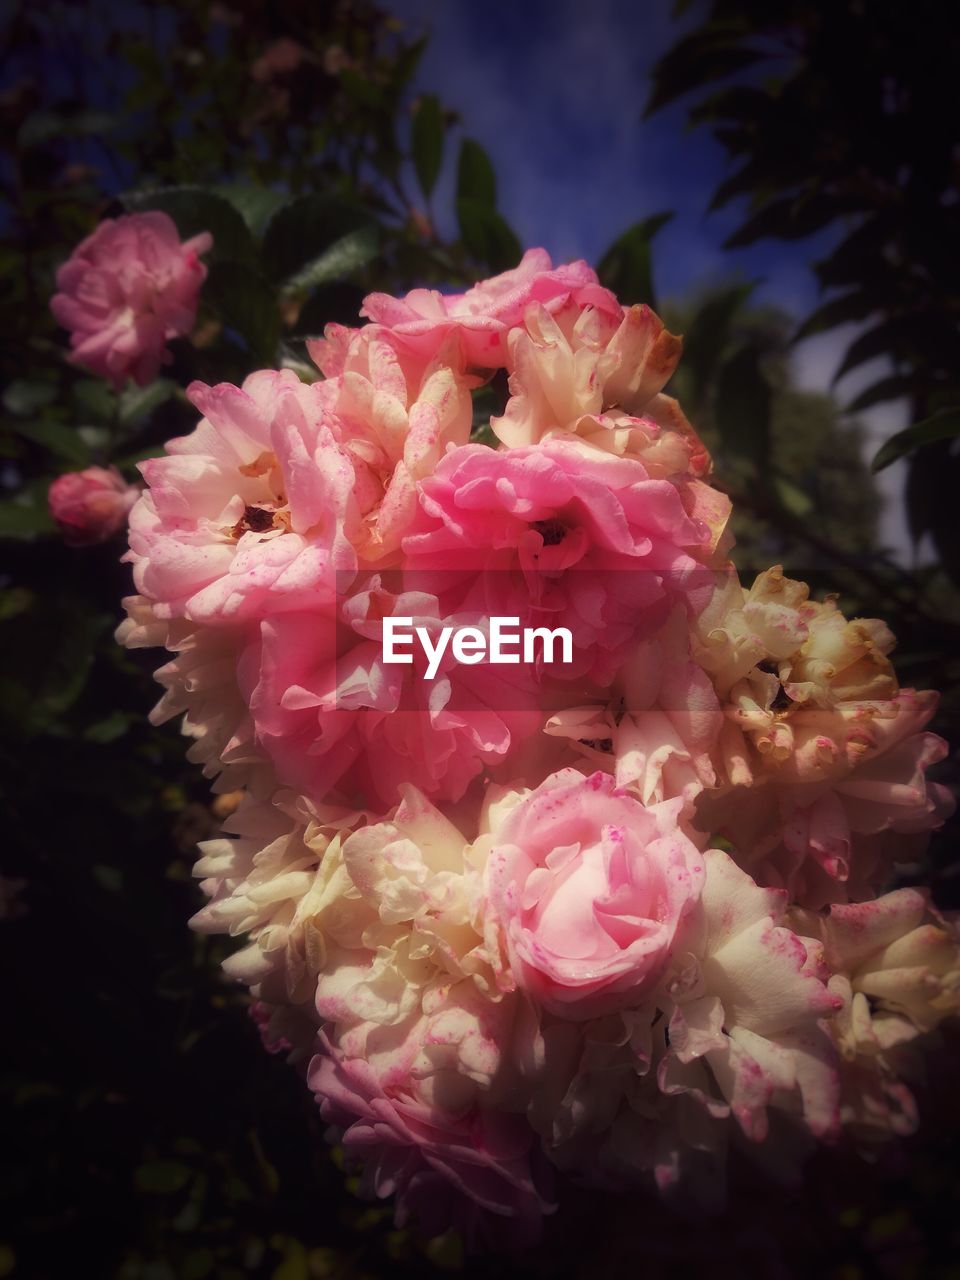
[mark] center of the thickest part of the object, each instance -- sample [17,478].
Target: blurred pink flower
[465,1166]
[277,59]
[127,290]
[91,505]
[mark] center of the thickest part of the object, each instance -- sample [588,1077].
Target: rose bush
[488,911]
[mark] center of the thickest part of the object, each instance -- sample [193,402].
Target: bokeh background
[781,180]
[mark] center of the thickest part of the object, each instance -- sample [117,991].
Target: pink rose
[91,505]
[658,726]
[464,1166]
[127,290]
[485,314]
[560,534]
[588,891]
[394,416]
[251,513]
[331,713]
[278,58]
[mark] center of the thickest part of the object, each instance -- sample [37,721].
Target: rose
[90,505]
[459,1165]
[483,316]
[332,713]
[560,534]
[587,891]
[251,512]
[125,291]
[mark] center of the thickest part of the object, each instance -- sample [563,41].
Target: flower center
[259,520]
[551,531]
[781,699]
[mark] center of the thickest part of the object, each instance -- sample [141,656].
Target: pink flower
[332,714]
[394,416]
[658,728]
[127,290]
[91,505]
[278,58]
[588,891]
[251,513]
[460,1166]
[560,534]
[483,315]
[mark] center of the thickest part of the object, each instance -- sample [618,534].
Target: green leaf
[694,62]
[791,497]
[256,205]
[408,60]
[848,308]
[138,403]
[23,397]
[162,1177]
[486,236]
[65,443]
[113,726]
[892,388]
[49,652]
[708,336]
[94,400]
[24,519]
[880,341]
[14,601]
[197,209]
[334,303]
[246,304]
[428,142]
[361,88]
[944,425]
[342,258]
[109,878]
[314,239]
[743,406]
[626,266]
[47,126]
[476,180]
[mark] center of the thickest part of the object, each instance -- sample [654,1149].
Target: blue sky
[554,89]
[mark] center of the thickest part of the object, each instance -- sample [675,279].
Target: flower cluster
[616,916]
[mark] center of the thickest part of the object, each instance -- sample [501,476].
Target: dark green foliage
[626,267]
[485,234]
[944,425]
[428,142]
[838,116]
